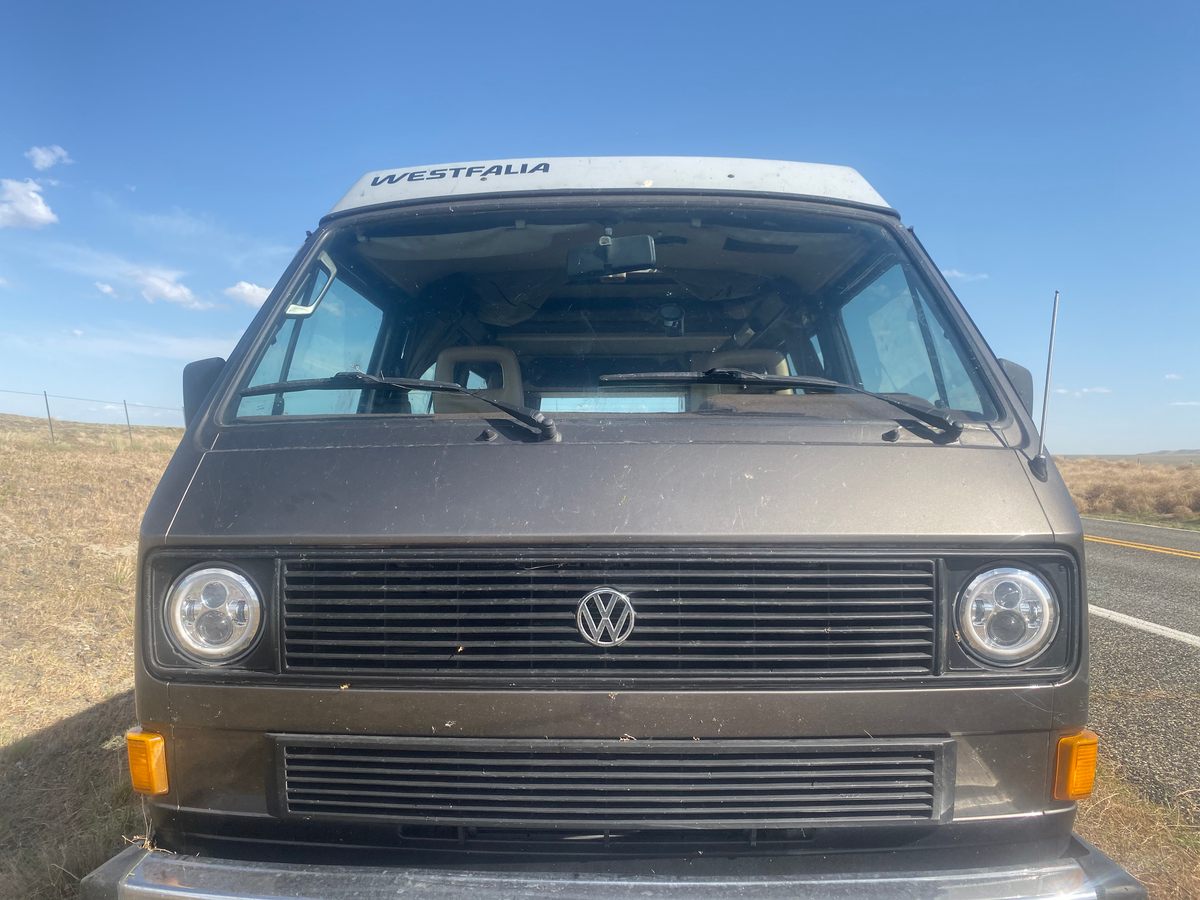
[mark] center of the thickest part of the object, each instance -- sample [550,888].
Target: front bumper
[136,874]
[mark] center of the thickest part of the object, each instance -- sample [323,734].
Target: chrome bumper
[137,874]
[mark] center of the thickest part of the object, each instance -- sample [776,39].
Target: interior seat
[497,367]
[763,362]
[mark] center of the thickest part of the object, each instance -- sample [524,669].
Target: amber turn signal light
[147,761]
[1076,768]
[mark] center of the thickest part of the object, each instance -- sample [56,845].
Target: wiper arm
[949,427]
[356,380]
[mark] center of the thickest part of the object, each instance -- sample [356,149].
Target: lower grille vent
[609,784]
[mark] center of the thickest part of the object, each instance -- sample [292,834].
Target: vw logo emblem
[605,617]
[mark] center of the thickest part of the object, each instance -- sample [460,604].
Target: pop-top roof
[611,173]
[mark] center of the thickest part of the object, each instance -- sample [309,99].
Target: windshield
[533,307]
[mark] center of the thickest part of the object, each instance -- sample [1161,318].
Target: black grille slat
[714,616]
[719,813]
[326,761]
[660,788]
[651,629]
[647,784]
[522,622]
[493,587]
[583,654]
[697,642]
[397,570]
[416,803]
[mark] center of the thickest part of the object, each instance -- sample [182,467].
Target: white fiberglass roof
[610,173]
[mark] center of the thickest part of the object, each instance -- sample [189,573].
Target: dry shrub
[1129,488]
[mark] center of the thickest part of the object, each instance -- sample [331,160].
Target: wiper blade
[949,427]
[356,380]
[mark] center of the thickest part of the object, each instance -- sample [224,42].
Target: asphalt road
[1145,699]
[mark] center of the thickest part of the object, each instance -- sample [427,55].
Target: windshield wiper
[949,427]
[342,381]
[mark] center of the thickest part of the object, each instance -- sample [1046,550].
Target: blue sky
[1033,146]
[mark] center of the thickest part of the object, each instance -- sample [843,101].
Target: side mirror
[1022,382]
[199,378]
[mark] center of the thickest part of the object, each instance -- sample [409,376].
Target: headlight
[213,615]
[1007,616]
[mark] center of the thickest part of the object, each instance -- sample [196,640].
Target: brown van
[588,528]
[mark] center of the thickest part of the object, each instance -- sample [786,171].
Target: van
[611,526]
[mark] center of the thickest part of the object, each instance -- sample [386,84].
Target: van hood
[894,494]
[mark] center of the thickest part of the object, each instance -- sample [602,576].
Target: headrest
[763,362]
[496,367]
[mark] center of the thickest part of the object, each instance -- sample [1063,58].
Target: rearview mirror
[199,378]
[1022,382]
[611,255]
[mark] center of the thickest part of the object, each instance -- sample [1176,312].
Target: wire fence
[60,408]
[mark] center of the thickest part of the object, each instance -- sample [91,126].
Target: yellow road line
[1152,548]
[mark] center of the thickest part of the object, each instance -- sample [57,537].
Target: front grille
[604,785]
[509,617]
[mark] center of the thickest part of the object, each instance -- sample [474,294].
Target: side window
[816,345]
[961,392]
[339,335]
[421,402]
[884,334]
[269,370]
[901,347]
[479,375]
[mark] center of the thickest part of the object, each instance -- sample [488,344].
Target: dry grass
[1154,492]
[68,535]
[68,538]
[1156,844]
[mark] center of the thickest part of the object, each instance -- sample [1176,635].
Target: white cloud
[153,282]
[1173,376]
[1184,403]
[247,292]
[77,332]
[1095,390]
[164,284]
[106,289]
[44,158]
[1080,392]
[22,205]
[3,282]
[960,275]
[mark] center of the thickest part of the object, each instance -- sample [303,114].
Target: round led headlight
[213,615]
[1007,616]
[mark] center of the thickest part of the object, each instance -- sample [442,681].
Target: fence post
[128,427]
[49,421]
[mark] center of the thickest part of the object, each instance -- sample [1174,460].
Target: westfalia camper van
[611,527]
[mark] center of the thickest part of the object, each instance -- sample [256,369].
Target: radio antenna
[1039,464]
